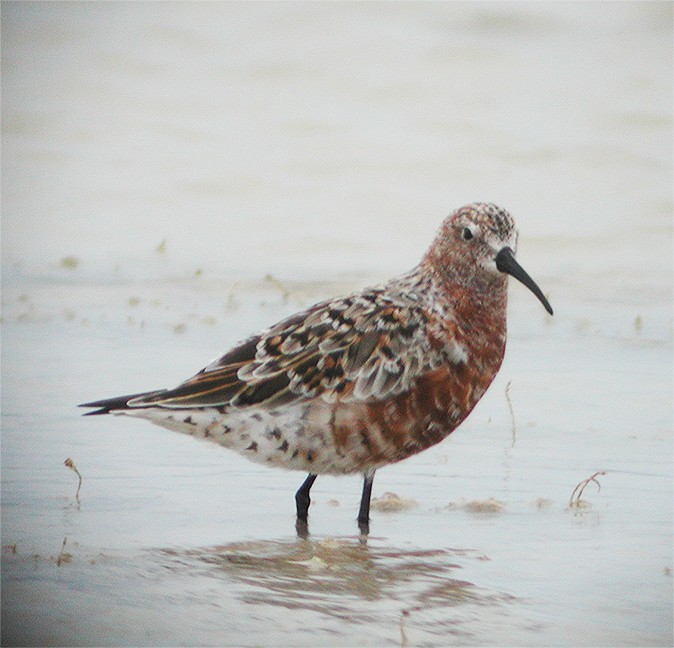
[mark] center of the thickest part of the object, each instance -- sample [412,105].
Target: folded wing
[364,347]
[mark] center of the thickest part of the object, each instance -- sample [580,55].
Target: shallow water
[488,550]
[208,169]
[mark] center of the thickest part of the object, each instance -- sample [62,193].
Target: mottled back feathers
[367,346]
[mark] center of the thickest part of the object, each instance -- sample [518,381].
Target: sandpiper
[358,382]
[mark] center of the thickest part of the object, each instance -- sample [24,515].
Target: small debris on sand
[390,503]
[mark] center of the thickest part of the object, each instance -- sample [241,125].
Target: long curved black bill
[505,262]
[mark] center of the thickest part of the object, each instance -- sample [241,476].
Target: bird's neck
[477,304]
[469,292]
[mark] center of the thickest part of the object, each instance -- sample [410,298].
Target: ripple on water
[351,582]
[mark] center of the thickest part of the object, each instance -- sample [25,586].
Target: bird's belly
[334,437]
[297,437]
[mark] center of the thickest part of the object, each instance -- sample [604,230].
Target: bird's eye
[466,234]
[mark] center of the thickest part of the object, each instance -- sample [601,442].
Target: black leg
[302,499]
[364,512]
[302,528]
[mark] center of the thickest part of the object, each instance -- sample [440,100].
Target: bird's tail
[118,403]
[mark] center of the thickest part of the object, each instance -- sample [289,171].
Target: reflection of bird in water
[358,382]
[342,586]
[300,573]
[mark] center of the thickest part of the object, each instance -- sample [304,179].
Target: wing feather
[366,346]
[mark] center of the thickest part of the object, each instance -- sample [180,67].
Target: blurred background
[178,175]
[310,139]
